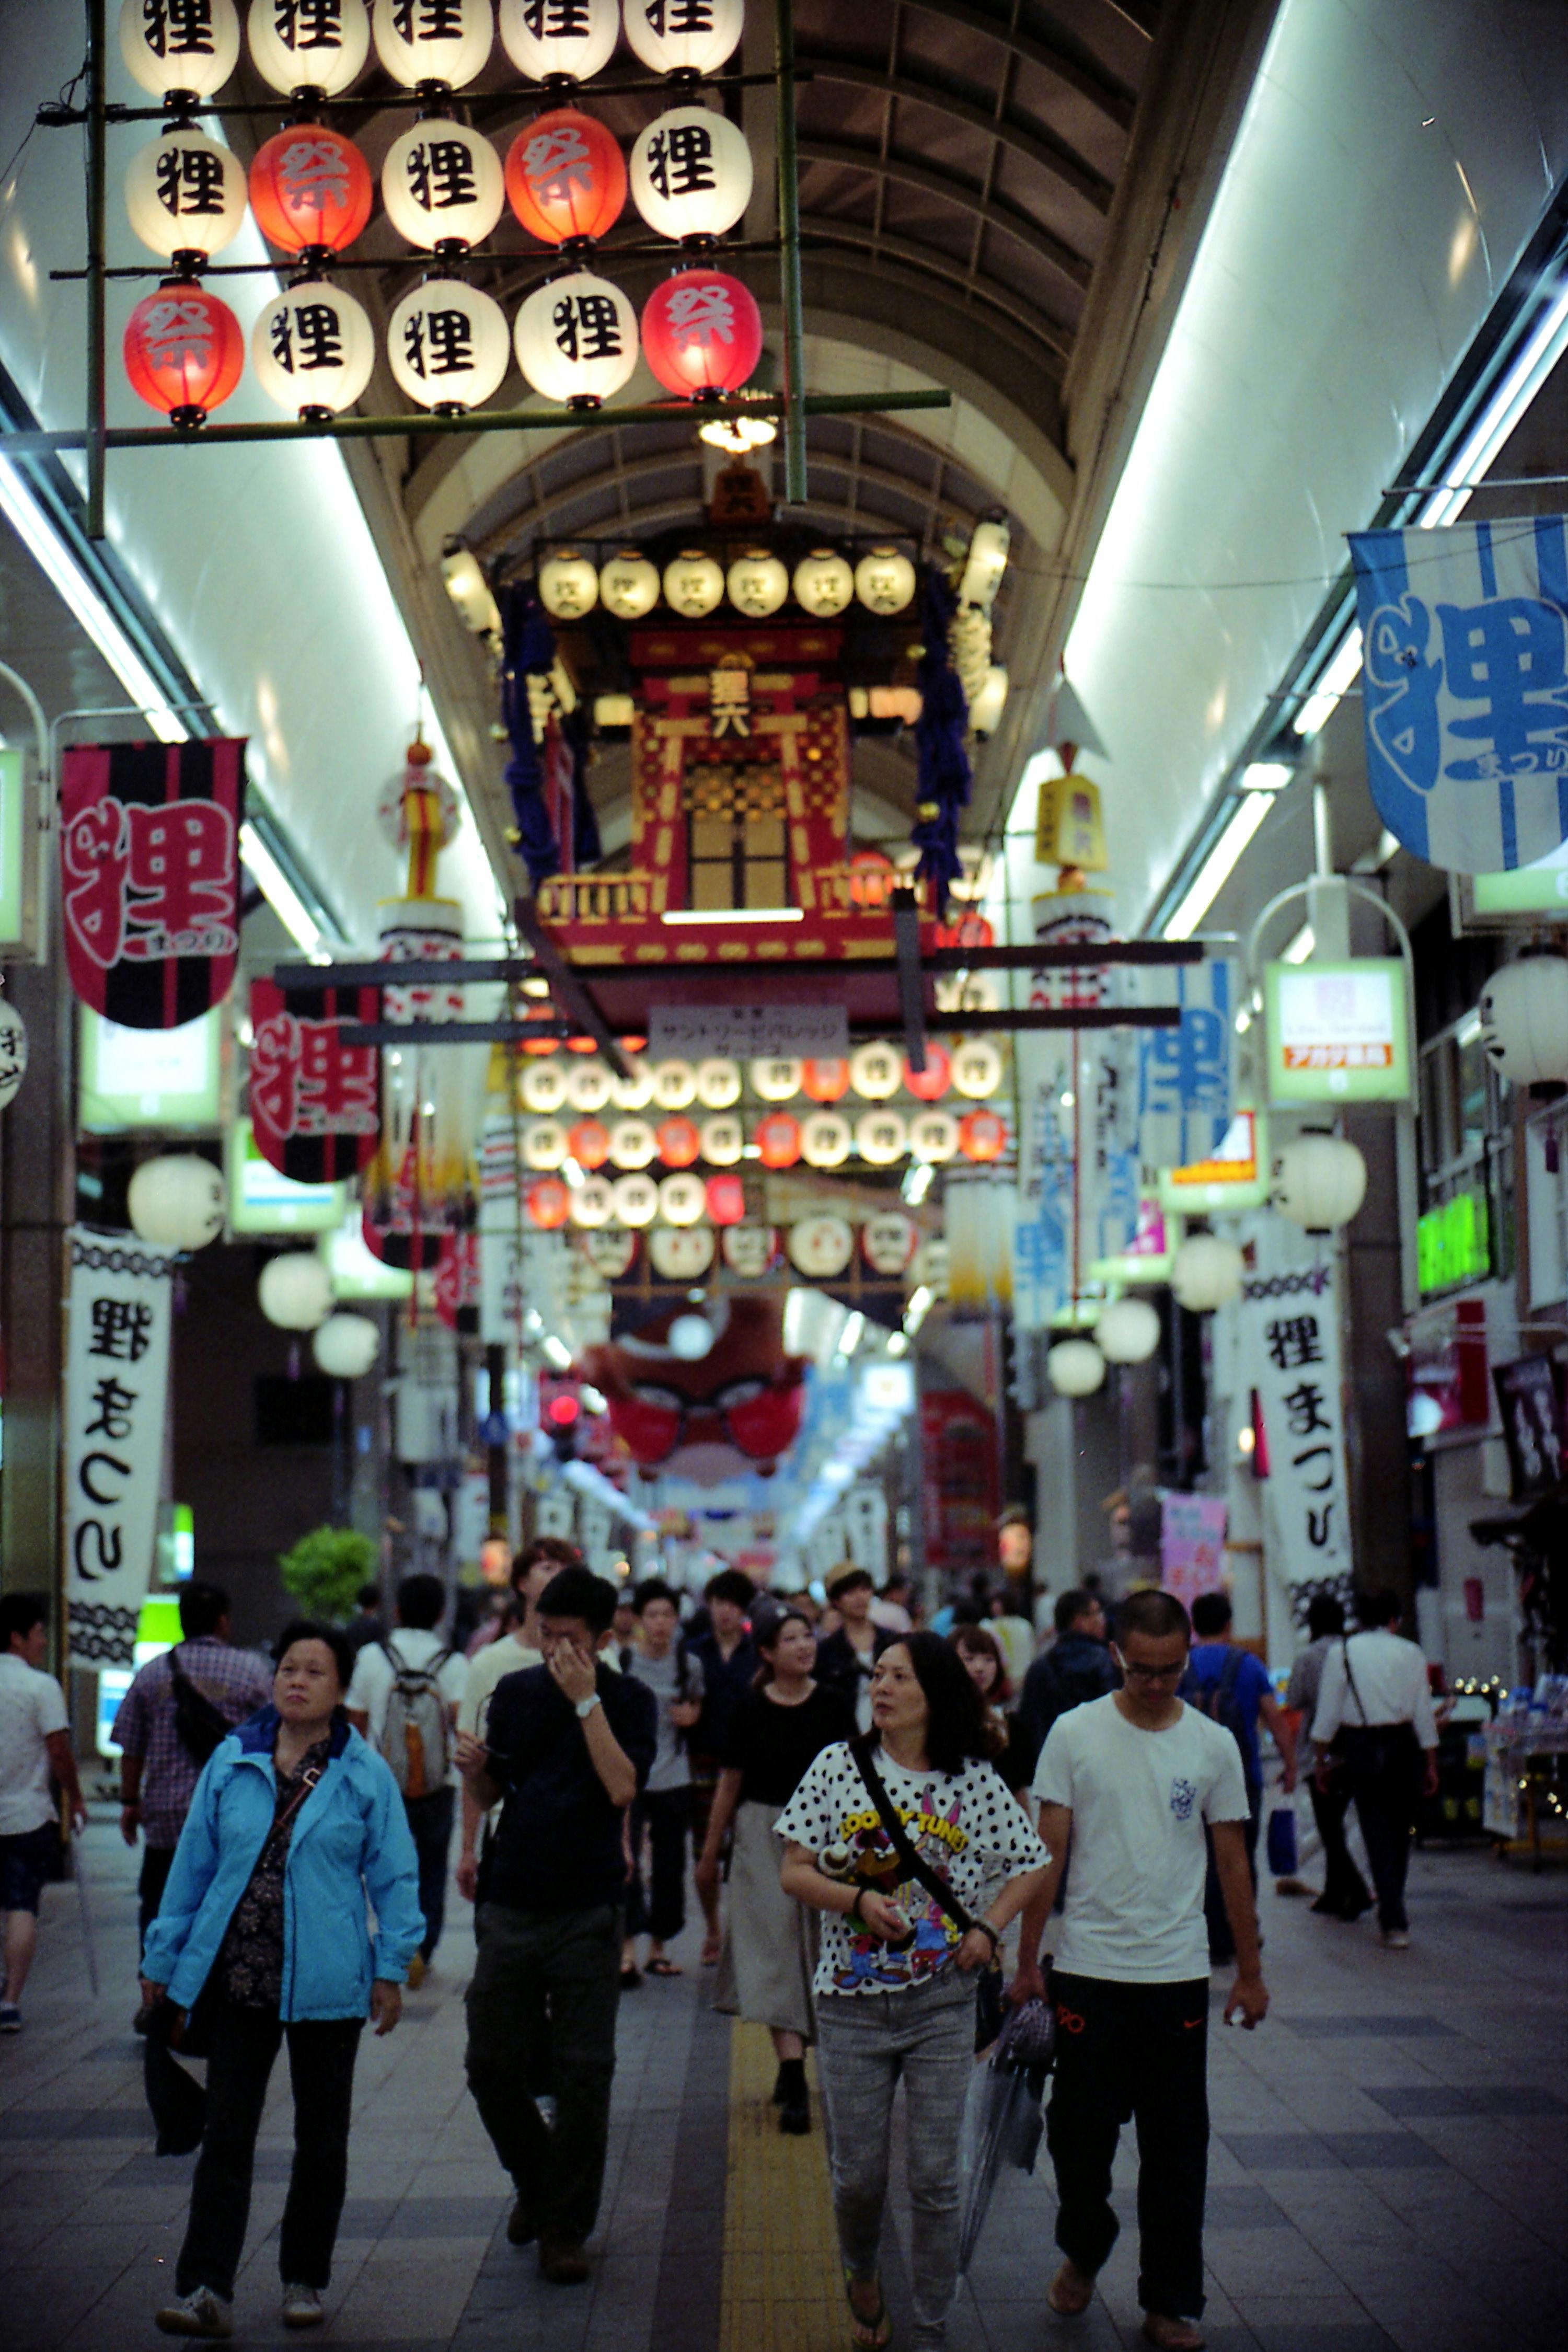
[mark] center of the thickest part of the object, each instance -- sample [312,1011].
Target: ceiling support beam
[911,981]
[574,1001]
[417,1034]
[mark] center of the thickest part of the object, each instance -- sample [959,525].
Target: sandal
[878,2323]
[663,1968]
[1172,2334]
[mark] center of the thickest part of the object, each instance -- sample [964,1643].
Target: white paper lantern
[593,1201]
[177,1202]
[885,581]
[758,583]
[544,1085]
[346,1346]
[821,1247]
[682,1200]
[824,584]
[434,44]
[319,50]
[1206,1273]
[559,40]
[777,1079]
[545,1145]
[189,49]
[724,1141]
[568,584]
[934,1136]
[13,1052]
[629,585]
[635,1092]
[1128,1331]
[674,1085]
[693,584]
[314,349]
[986,563]
[889,1243]
[588,1083]
[185,193]
[681,1253]
[1076,1367]
[295,1291]
[443,186]
[976,1069]
[1320,1182]
[749,1251]
[824,1139]
[696,37]
[632,1143]
[718,1082]
[609,1251]
[691,173]
[986,709]
[876,1071]
[448,345]
[881,1138]
[1524,1021]
[577,340]
[637,1201]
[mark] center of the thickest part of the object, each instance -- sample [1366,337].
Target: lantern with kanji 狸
[684,36]
[693,583]
[758,583]
[179,49]
[184,196]
[559,40]
[184,351]
[566,178]
[691,174]
[442,186]
[701,333]
[310,190]
[448,345]
[310,52]
[824,583]
[314,349]
[577,339]
[885,581]
[433,46]
[628,584]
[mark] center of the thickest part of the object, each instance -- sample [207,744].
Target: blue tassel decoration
[944,778]
[528,643]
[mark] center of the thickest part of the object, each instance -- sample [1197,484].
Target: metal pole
[96,438]
[789,262]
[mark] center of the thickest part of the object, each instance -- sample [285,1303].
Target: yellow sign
[1068,829]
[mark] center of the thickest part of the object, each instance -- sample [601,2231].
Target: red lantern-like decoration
[679,1143]
[930,1084]
[825,1082]
[184,351]
[702,334]
[549,1204]
[726,1201]
[981,1135]
[589,1143]
[778,1140]
[566,178]
[873,879]
[310,190]
[970,930]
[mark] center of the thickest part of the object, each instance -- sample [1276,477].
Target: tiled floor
[1389,2170]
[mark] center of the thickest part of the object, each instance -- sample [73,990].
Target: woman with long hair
[987,1670]
[768,1951]
[909,1843]
[296,1828]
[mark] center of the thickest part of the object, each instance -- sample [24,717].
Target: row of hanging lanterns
[875,1072]
[758,583]
[825,1138]
[187,49]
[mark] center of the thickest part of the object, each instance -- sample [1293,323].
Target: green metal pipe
[797,408]
[97,67]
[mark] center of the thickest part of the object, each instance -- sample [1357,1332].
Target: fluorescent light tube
[1217,867]
[279,891]
[1333,682]
[740,915]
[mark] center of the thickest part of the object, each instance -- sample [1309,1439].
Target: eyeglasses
[1152,1673]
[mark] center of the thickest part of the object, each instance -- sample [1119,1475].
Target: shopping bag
[1283,1859]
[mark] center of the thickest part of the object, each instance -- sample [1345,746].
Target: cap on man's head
[838,1580]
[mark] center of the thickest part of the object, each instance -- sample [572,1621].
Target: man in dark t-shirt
[567,1746]
[1076,1668]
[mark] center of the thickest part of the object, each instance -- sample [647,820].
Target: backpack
[199,1721]
[1219,1702]
[417,1731]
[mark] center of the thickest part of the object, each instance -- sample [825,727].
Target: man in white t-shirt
[420,1675]
[1375,1710]
[35,1741]
[1131,1779]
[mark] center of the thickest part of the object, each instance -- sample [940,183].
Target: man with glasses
[1132,1779]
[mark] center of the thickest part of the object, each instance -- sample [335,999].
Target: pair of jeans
[157,1861]
[659,1907]
[1222,1943]
[321,2053]
[1383,1768]
[867,2043]
[1345,1888]
[430,1826]
[1133,2052]
[546,1985]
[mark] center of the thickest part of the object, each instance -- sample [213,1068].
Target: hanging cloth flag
[315,1103]
[1288,1353]
[150,877]
[1465,688]
[117,1380]
[1186,1075]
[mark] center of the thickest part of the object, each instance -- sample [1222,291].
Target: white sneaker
[201,2312]
[1395,1940]
[302,2307]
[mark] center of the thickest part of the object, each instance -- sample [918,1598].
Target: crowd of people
[864,1807]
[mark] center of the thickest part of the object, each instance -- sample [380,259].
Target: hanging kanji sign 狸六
[315,1103]
[150,877]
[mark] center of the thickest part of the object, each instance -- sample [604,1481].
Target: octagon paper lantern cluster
[824,583]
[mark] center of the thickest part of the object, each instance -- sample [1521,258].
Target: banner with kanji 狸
[1465,637]
[117,1382]
[150,877]
[1289,1354]
[1186,1077]
[315,1103]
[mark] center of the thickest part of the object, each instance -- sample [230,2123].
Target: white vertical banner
[117,1389]
[1288,1351]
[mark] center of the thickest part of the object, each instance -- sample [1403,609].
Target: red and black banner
[315,1103]
[150,877]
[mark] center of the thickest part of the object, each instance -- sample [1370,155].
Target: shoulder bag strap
[940,1894]
[1349,1678]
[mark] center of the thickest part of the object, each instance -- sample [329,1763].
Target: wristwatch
[585,1706]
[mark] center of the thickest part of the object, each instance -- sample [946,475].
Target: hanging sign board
[1185,1074]
[315,1103]
[1337,1032]
[117,1378]
[1288,1351]
[137,1079]
[1234,1176]
[748,1032]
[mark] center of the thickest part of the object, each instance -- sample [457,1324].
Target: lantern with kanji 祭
[691,174]
[310,190]
[702,334]
[309,51]
[632,1143]
[824,1081]
[881,1138]
[184,351]
[723,1139]
[566,178]
[981,1135]
[442,186]
[548,1204]
[577,339]
[684,36]
[778,1140]
[434,46]
[314,349]
[559,40]
[448,346]
[824,1139]
[185,48]
[184,196]
[679,1143]
[589,1143]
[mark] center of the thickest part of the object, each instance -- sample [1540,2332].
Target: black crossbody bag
[990,1989]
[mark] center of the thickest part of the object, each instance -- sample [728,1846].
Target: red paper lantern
[310,190]
[873,879]
[778,1140]
[566,178]
[680,1144]
[970,930]
[981,1135]
[549,1204]
[825,1082]
[184,350]
[930,1084]
[726,1201]
[589,1143]
[701,333]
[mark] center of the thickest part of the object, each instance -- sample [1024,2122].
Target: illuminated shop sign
[1453,1243]
[1337,1032]
[149,1077]
[263,1202]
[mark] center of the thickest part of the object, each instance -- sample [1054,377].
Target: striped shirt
[237,1681]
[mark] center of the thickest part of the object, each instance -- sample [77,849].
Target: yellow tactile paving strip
[782,2289]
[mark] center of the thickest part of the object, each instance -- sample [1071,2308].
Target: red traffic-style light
[310,190]
[184,351]
[561,1411]
[566,178]
[702,334]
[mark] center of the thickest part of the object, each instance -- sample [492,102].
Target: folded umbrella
[1003,2122]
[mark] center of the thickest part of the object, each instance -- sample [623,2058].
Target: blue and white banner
[1186,1075]
[1465,647]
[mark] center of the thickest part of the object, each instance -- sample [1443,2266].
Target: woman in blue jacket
[295,1828]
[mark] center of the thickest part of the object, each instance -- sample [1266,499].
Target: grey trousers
[868,2042]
